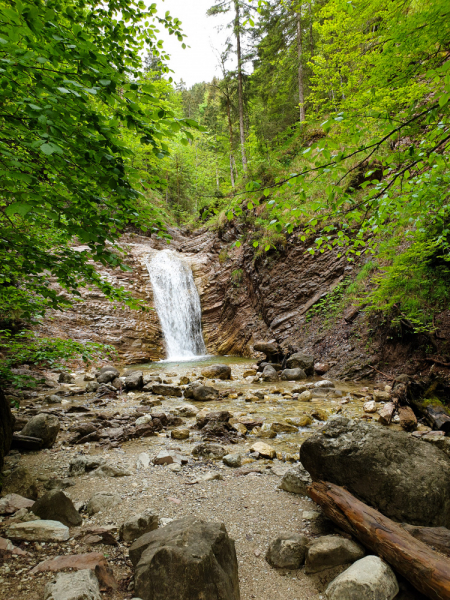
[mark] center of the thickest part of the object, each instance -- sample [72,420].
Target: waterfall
[178,305]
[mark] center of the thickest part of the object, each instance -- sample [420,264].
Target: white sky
[200,61]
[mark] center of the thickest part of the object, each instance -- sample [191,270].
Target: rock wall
[243,299]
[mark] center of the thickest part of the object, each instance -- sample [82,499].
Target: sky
[200,61]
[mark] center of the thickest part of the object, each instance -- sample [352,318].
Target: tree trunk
[301,95]
[311,38]
[436,537]
[237,32]
[427,570]
[230,132]
[6,427]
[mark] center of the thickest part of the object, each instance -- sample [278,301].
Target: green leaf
[18,208]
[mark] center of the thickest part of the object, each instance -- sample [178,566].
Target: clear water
[178,306]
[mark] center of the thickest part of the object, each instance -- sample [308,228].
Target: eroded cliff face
[243,300]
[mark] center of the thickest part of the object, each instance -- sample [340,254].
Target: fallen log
[25,442]
[436,537]
[428,571]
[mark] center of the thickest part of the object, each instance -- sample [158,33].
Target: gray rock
[110,471]
[287,551]
[78,585]
[167,390]
[83,464]
[203,393]
[300,360]
[185,560]
[189,390]
[102,501]
[91,387]
[330,551]
[367,579]
[134,381]
[43,426]
[66,378]
[296,480]
[106,377]
[187,410]
[169,457]
[293,374]
[269,374]
[109,368]
[39,531]
[138,526]
[58,484]
[56,506]
[217,372]
[233,460]
[405,479]
[21,482]
[207,450]
[53,399]
[266,348]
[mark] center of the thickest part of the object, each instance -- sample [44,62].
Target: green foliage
[25,348]
[330,304]
[236,277]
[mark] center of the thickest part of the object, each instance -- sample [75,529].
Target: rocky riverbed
[146,441]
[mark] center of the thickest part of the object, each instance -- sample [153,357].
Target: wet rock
[21,482]
[106,377]
[217,372]
[303,421]
[381,396]
[81,585]
[265,431]
[296,480]
[319,415]
[134,528]
[370,406]
[102,501]
[204,566]
[189,391]
[324,383]
[167,390]
[404,478]
[250,373]
[134,381]
[330,551]
[56,506]
[169,457]
[366,579]
[187,410]
[92,387]
[12,503]
[182,433]
[263,450]
[233,460]
[321,368]
[408,420]
[280,427]
[203,393]
[39,531]
[287,551]
[83,464]
[207,450]
[53,399]
[109,368]
[144,420]
[300,360]
[267,348]
[269,374]
[293,374]
[251,422]
[386,413]
[43,426]
[305,396]
[66,378]
[148,400]
[240,428]
[106,470]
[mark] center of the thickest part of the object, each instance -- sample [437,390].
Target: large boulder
[266,348]
[43,426]
[300,360]
[139,525]
[367,579]
[56,506]
[134,381]
[269,373]
[293,374]
[405,479]
[106,377]
[6,427]
[296,480]
[187,559]
[80,585]
[203,393]
[21,482]
[217,372]
[167,390]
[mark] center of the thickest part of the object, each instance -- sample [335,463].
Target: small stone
[269,374]
[139,525]
[53,399]
[102,501]
[12,503]
[240,428]
[233,460]
[321,368]
[366,579]
[296,480]
[319,415]
[80,585]
[211,476]
[265,431]
[181,433]
[330,551]
[39,531]
[143,460]
[370,407]
[144,420]
[303,421]
[169,457]
[280,427]
[305,396]
[381,396]
[263,450]
[287,551]
[324,383]
[386,413]
[187,410]
[175,467]
[207,450]
[250,373]
[110,471]
[66,378]
[311,515]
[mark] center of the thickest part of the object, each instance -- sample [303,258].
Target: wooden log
[436,537]
[428,571]
[6,427]
[25,442]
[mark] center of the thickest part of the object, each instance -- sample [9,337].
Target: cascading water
[178,305]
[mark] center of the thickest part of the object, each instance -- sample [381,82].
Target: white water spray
[178,305]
